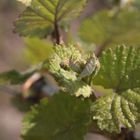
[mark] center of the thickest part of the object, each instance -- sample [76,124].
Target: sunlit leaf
[120,68]
[39,18]
[65,66]
[120,71]
[116,111]
[37,50]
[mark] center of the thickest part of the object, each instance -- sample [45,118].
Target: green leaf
[63,117]
[60,63]
[65,66]
[137,4]
[39,18]
[79,88]
[20,104]
[14,77]
[37,50]
[65,62]
[120,68]
[120,71]
[116,111]
[106,28]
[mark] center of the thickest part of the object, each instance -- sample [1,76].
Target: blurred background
[18,53]
[11,46]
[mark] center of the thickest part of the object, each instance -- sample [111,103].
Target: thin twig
[56,33]
[101,48]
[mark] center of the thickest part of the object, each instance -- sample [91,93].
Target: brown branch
[57,34]
[95,130]
[126,134]
[101,48]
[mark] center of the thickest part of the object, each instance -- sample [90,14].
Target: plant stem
[56,33]
[101,48]
[125,134]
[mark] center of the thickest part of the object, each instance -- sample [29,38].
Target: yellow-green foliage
[37,50]
[120,70]
[38,19]
[106,27]
[66,66]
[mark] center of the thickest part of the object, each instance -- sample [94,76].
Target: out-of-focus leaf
[25,2]
[106,28]
[20,104]
[63,117]
[14,77]
[37,50]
